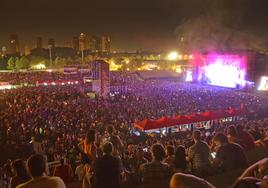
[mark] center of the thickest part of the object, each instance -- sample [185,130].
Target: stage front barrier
[167,122]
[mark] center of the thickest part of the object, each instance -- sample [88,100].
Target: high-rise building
[76,43]
[39,42]
[3,50]
[94,44]
[14,44]
[105,44]
[68,44]
[27,50]
[83,42]
[51,42]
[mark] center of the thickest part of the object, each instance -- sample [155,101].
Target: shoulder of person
[58,180]
[55,178]
[24,185]
[237,146]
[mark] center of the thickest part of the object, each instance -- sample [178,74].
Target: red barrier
[163,122]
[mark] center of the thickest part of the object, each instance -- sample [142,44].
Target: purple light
[223,70]
[189,76]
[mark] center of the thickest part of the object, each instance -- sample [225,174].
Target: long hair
[180,158]
[20,169]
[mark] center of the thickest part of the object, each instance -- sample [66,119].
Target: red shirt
[64,172]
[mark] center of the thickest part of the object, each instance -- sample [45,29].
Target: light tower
[82,45]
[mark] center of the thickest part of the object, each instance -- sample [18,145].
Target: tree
[19,64]
[25,62]
[11,63]
[60,62]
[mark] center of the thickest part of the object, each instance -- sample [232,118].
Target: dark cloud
[223,26]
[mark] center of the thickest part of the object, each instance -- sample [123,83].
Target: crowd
[89,136]
[32,78]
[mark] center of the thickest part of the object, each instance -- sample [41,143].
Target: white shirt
[80,172]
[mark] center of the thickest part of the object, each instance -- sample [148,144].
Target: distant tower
[14,44]
[3,50]
[51,42]
[100,75]
[82,45]
[76,43]
[105,44]
[27,50]
[39,42]
[94,44]
[82,42]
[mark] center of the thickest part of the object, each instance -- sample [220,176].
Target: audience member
[198,156]
[20,173]
[37,167]
[180,180]
[64,171]
[155,170]
[228,156]
[107,169]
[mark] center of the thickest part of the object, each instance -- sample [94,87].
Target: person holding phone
[228,156]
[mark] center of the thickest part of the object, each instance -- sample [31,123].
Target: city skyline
[131,25]
[81,42]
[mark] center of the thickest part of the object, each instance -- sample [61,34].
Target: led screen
[223,70]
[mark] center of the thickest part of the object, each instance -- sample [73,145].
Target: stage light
[189,76]
[223,70]
[39,66]
[178,69]
[263,84]
[172,56]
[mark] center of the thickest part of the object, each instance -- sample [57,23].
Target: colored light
[189,76]
[39,66]
[172,56]
[263,84]
[223,70]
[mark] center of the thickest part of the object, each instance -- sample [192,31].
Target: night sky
[132,24]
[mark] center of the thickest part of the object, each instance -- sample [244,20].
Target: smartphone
[213,155]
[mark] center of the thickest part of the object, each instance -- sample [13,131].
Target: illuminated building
[39,42]
[105,44]
[94,44]
[14,44]
[83,42]
[76,43]
[100,74]
[27,50]
[3,50]
[51,42]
